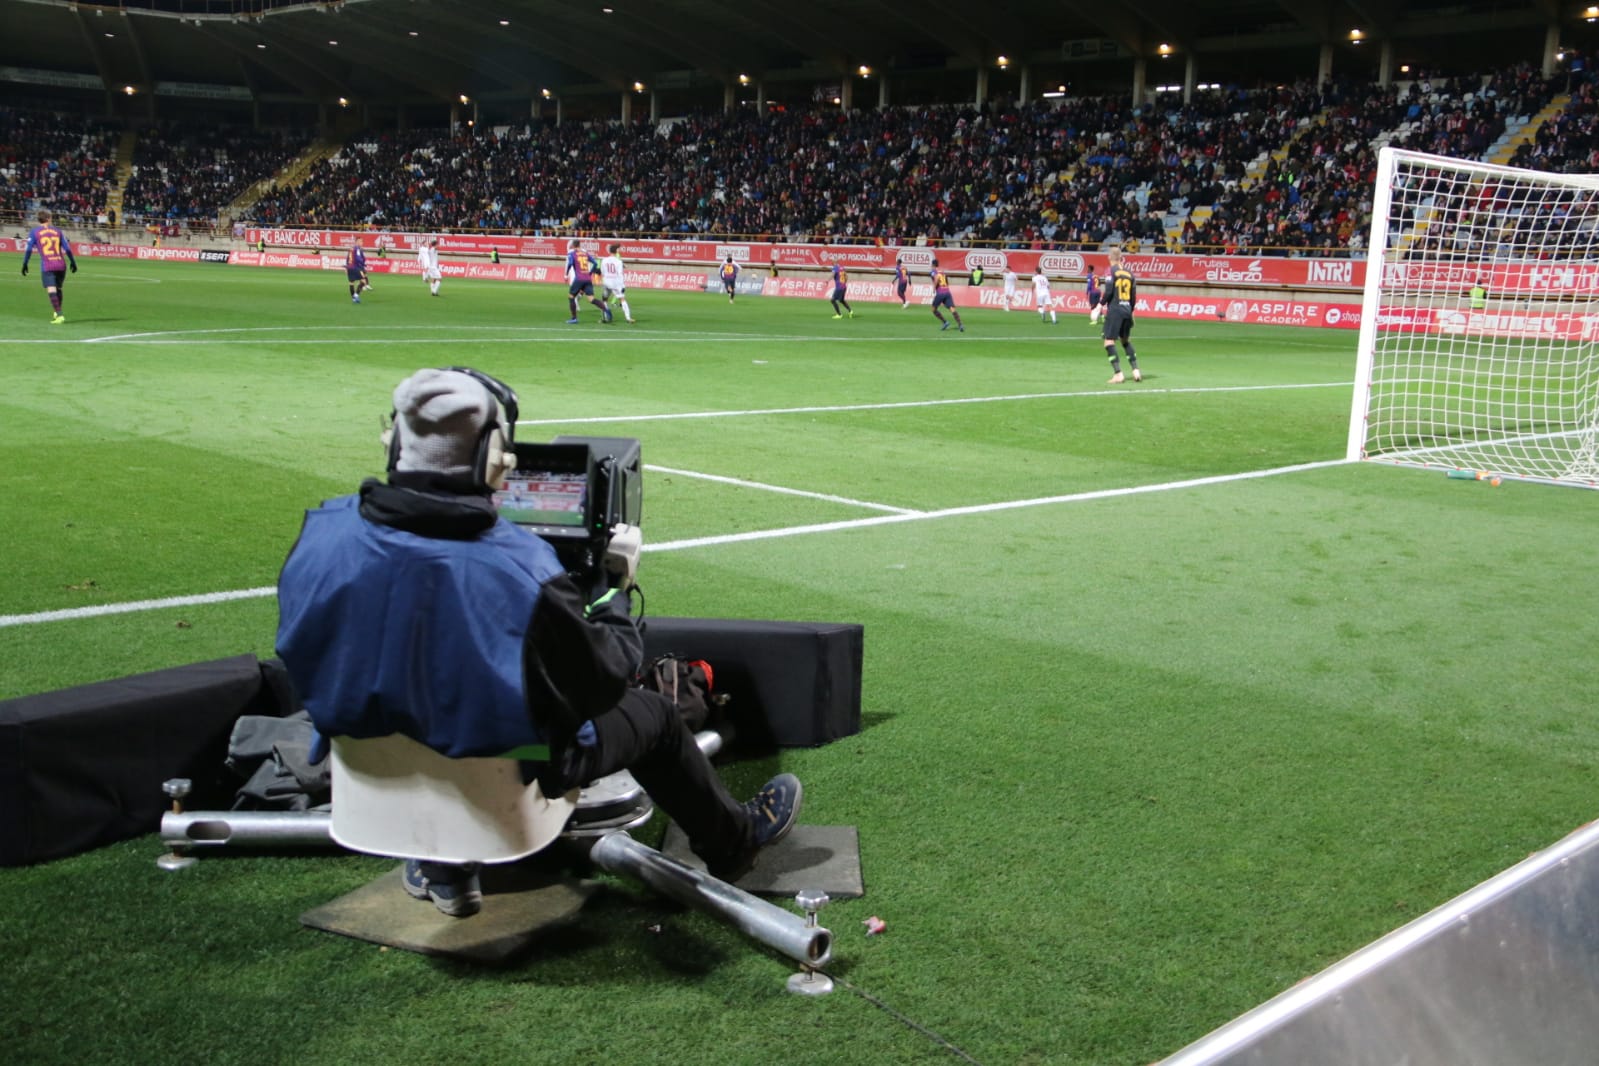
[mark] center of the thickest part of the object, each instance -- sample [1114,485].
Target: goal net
[1478,327]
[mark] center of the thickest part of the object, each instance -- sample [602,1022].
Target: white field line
[990,508]
[829,408]
[780,489]
[134,606]
[101,610]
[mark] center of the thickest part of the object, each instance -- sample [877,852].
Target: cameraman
[412,607]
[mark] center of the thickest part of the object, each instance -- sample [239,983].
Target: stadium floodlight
[1479,329]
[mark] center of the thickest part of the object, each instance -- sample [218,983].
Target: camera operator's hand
[621,554]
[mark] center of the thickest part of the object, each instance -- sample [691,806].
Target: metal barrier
[1505,973]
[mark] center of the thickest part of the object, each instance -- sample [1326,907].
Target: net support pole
[1371,298]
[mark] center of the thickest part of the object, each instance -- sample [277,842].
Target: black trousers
[645,735]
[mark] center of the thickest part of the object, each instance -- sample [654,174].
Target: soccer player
[580,271]
[428,257]
[615,275]
[942,297]
[1119,298]
[1010,286]
[55,256]
[729,275]
[355,272]
[1095,308]
[1041,297]
[840,284]
[902,281]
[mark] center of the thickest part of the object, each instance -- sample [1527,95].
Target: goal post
[1479,330]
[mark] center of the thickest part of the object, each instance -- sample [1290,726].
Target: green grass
[1132,762]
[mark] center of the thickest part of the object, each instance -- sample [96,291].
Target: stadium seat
[396,797]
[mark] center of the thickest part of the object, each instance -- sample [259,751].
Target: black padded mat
[824,858]
[520,903]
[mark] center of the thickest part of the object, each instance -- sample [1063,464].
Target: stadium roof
[437,50]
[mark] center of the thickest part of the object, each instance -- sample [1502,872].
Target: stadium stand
[1281,170]
[63,163]
[188,172]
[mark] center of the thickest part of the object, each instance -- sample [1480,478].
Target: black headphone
[495,455]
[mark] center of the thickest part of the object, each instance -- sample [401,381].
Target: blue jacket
[387,631]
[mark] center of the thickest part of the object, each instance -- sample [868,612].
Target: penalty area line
[102,610]
[741,483]
[990,508]
[906,404]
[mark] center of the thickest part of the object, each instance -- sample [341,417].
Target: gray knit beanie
[439,415]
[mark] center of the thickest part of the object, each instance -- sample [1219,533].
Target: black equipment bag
[788,684]
[83,767]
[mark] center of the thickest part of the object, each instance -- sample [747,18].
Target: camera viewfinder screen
[543,498]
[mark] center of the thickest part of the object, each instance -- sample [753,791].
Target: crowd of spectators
[1039,174]
[182,171]
[1272,171]
[1319,195]
[64,163]
[1569,142]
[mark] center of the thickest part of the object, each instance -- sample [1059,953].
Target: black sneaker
[775,809]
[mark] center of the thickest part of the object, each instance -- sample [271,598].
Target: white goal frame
[1506,385]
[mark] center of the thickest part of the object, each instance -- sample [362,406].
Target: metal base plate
[810,983]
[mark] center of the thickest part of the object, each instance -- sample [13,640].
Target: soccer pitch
[1166,708]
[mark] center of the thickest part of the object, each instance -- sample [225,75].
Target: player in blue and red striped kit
[902,281]
[580,270]
[1095,296]
[840,285]
[355,272]
[55,256]
[942,297]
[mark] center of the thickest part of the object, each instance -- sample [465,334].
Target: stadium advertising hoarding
[1067,297]
[1185,269]
[669,280]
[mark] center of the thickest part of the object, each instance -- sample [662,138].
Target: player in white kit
[428,257]
[615,277]
[1010,287]
[1042,298]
